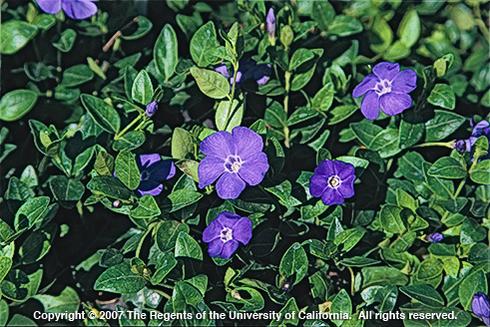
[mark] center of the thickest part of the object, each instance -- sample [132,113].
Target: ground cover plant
[296,157]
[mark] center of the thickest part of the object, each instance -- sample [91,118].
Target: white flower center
[233,164]
[383,87]
[226,234]
[334,181]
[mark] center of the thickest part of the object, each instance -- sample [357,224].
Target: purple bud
[271,23]
[151,108]
[435,237]
[480,305]
[223,70]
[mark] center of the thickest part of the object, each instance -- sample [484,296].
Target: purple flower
[333,181]
[435,237]
[466,145]
[75,9]
[154,171]
[480,305]
[225,233]
[151,108]
[248,70]
[387,89]
[270,22]
[234,159]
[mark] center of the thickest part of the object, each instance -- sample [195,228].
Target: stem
[479,21]
[352,283]
[287,78]
[142,240]
[131,124]
[449,145]
[162,293]
[236,66]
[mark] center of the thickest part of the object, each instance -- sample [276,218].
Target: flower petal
[145,160]
[318,185]
[254,169]
[209,169]
[161,170]
[405,81]
[223,70]
[367,84]
[346,189]
[228,249]
[370,105]
[394,103]
[150,188]
[50,6]
[79,9]
[228,219]
[242,231]
[247,142]
[215,248]
[344,169]
[325,168]
[212,231]
[229,186]
[219,144]
[386,70]
[331,197]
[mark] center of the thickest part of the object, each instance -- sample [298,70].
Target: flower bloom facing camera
[75,9]
[249,70]
[333,181]
[435,237]
[480,305]
[225,233]
[151,108]
[234,159]
[386,89]
[153,172]
[482,128]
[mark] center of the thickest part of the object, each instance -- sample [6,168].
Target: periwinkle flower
[248,70]
[435,237]
[270,23]
[225,233]
[466,145]
[234,159]
[151,108]
[333,181]
[75,9]
[386,89]
[480,305]
[154,171]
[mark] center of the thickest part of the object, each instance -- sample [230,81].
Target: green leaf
[31,212]
[5,265]
[409,134]
[227,117]
[343,25]
[147,208]
[167,234]
[341,113]
[67,301]
[386,296]
[164,264]
[129,141]
[442,125]
[165,52]
[322,13]
[250,298]
[442,95]
[15,35]
[480,174]
[103,114]
[382,276]
[391,221]
[211,83]
[142,90]
[341,303]
[186,246]
[474,282]
[294,262]
[66,41]
[15,104]
[36,245]
[109,186]
[182,198]
[383,35]
[396,51]
[127,170]
[144,27]
[104,163]
[20,320]
[203,45]
[66,189]
[409,28]
[120,279]
[424,294]
[182,144]
[447,168]
[76,75]
[323,98]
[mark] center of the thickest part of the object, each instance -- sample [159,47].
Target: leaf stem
[128,127]
[449,145]
[287,79]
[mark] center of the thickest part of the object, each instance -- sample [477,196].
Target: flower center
[145,175]
[383,87]
[334,181]
[233,164]
[226,234]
